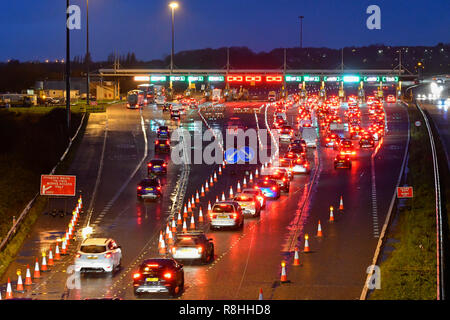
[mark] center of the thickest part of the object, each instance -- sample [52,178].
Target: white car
[226,214]
[249,204]
[301,166]
[98,255]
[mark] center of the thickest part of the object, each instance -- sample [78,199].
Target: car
[286,133]
[156,166]
[166,107]
[280,175]
[287,164]
[298,150]
[269,188]
[348,150]
[299,142]
[193,245]
[367,141]
[226,214]
[342,161]
[98,255]
[159,275]
[301,165]
[332,140]
[162,145]
[163,132]
[390,98]
[259,195]
[249,204]
[149,188]
[175,114]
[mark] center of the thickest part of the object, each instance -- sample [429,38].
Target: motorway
[111,160]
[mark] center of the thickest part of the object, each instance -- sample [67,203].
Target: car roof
[240,194]
[250,190]
[161,261]
[157,160]
[226,202]
[149,180]
[95,242]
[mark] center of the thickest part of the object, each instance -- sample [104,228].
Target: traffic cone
[37,272]
[202,192]
[197,197]
[200,215]
[44,263]
[296,258]
[217,199]
[19,286]
[167,229]
[9,294]
[319,230]
[63,247]
[192,225]
[331,214]
[244,183]
[215,177]
[162,249]
[185,213]
[238,188]
[57,254]
[220,170]
[223,164]
[251,177]
[193,202]
[28,281]
[189,207]
[231,193]
[184,226]
[209,208]
[341,204]
[66,237]
[206,186]
[174,226]
[211,181]
[161,239]
[306,249]
[50,258]
[260,297]
[179,221]
[170,238]
[283,272]
[223,196]
[256,173]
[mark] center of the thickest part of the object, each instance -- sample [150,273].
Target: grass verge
[409,272]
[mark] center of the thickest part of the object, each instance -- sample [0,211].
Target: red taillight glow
[108,255]
[149,165]
[199,249]
[139,188]
[167,275]
[136,275]
[274,189]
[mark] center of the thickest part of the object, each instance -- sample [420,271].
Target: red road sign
[58,185]
[404,192]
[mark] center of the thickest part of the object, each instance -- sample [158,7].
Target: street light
[87,52]
[301,31]
[173,6]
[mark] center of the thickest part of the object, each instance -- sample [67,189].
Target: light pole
[67,67]
[87,52]
[173,6]
[301,31]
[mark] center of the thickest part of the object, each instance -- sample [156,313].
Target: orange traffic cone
[37,272]
[193,201]
[189,207]
[197,197]
[192,225]
[251,177]
[296,258]
[341,204]
[170,239]
[331,214]
[223,196]
[184,226]
[256,173]
[306,249]
[19,287]
[57,254]
[161,238]
[9,294]
[202,192]
[260,297]
[244,182]
[220,170]
[174,226]
[209,208]
[200,215]
[206,186]
[319,230]
[185,214]
[211,182]
[167,230]
[215,177]
[231,193]
[64,247]
[28,281]
[50,258]
[217,199]
[162,249]
[179,221]
[283,272]
[44,263]
[238,188]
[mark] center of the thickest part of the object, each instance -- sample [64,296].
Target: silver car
[226,214]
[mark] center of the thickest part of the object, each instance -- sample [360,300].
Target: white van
[310,137]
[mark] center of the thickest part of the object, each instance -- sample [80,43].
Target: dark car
[156,166]
[162,132]
[281,177]
[159,275]
[149,189]
[193,246]
[269,188]
[162,145]
[367,142]
[342,161]
[166,107]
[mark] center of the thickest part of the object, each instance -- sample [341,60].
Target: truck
[272,96]
[135,99]
[310,137]
[216,95]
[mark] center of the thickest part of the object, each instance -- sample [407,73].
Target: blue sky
[31,29]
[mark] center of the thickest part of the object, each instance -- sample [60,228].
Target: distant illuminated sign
[141,78]
[311,78]
[253,78]
[274,78]
[351,78]
[177,78]
[195,78]
[332,79]
[389,79]
[371,79]
[293,78]
[158,78]
[235,78]
[216,78]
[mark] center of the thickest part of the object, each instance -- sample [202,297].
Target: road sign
[231,155]
[417,123]
[58,185]
[246,154]
[404,192]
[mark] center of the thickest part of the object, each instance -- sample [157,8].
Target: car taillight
[157,142]
[139,188]
[353,152]
[78,255]
[174,250]
[199,249]
[149,165]
[108,255]
[274,189]
[234,215]
[327,139]
[253,203]
[158,188]
[164,165]
[167,275]
[137,275]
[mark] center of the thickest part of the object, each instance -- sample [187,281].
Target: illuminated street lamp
[173,6]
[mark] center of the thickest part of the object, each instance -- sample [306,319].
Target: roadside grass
[31,145]
[76,107]
[409,273]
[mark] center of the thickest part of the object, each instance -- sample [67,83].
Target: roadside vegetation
[31,145]
[409,272]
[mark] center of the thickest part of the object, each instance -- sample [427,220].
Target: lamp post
[87,52]
[173,6]
[301,31]
[67,67]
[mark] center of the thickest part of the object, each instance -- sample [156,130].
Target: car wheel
[137,294]
[119,266]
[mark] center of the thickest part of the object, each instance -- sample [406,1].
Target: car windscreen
[223,208]
[93,249]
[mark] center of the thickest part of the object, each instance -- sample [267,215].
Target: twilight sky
[34,29]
